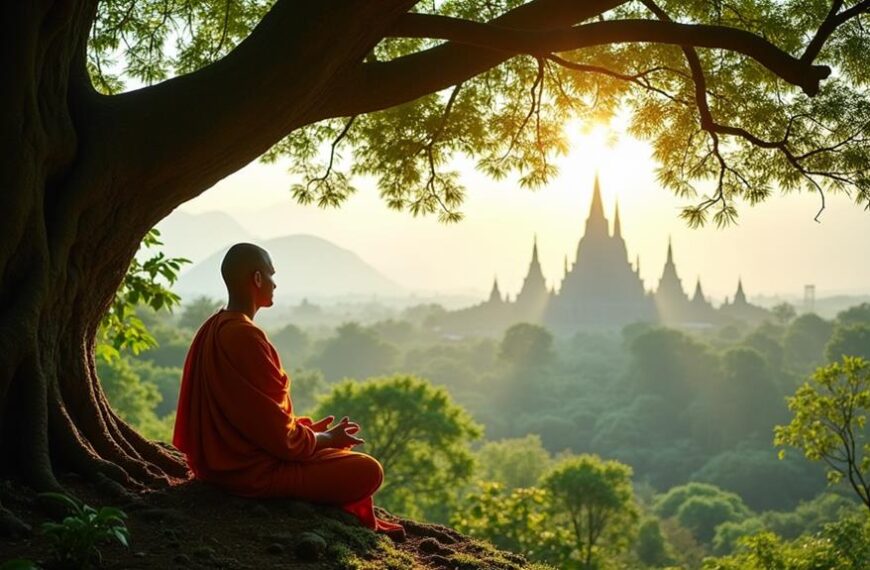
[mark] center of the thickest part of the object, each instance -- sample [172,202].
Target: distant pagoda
[533,298]
[600,289]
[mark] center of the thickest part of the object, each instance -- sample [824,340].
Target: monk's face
[264,283]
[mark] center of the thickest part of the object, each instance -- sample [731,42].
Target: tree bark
[61,261]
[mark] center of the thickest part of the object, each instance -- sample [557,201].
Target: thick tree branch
[834,19]
[183,135]
[379,85]
[542,42]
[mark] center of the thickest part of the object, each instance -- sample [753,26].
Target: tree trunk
[62,257]
[85,176]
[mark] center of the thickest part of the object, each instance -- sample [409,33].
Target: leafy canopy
[514,463]
[519,520]
[146,283]
[842,545]
[420,436]
[829,422]
[596,498]
[723,128]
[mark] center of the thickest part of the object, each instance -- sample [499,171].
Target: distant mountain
[305,266]
[196,236]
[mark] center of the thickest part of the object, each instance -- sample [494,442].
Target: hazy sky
[777,247]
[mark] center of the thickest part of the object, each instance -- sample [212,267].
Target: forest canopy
[739,100]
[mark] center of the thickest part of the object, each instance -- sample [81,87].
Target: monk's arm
[256,404]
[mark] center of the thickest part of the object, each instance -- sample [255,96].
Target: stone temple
[601,288]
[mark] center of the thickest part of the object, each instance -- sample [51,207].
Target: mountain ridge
[317,268]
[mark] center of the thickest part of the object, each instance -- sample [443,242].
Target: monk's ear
[258,278]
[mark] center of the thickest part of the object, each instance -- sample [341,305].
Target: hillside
[196,526]
[196,236]
[306,266]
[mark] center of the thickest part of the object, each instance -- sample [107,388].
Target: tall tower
[601,288]
[671,301]
[532,298]
[741,309]
[700,310]
[596,223]
[739,296]
[617,225]
[495,294]
[810,298]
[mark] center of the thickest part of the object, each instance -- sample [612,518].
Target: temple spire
[670,260]
[533,296]
[617,226]
[740,296]
[495,294]
[535,274]
[596,223]
[637,264]
[596,210]
[699,292]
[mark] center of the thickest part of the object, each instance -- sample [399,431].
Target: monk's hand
[341,434]
[353,427]
[322,425]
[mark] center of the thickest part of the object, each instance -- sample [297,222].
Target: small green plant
[75,539]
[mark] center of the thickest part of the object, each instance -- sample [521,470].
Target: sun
[606,150]
[590,142]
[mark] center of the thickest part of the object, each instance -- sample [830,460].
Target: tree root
[95,438]
[10,525]
[167,458]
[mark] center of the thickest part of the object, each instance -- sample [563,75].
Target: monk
[235,422]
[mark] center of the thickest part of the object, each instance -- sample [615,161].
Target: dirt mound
[197,526]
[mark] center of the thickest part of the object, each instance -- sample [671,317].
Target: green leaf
[72,504]
[122,535]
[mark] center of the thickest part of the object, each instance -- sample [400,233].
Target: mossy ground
[197,526]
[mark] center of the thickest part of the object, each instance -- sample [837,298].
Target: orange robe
[236,427]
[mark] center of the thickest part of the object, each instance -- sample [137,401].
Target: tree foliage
[420,436]
[736,122]
[513,463]
[519,520]
[805,340]
[841,545]
[354,352]
[527,346]
[751,470]
[196,311]
[596,499]
[849,340]
[700,508]
[809,518]
[135,399]
[147,283]
[652,548]
[306,386]
[857,315]
[829,422]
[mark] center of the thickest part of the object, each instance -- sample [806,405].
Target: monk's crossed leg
[333,477]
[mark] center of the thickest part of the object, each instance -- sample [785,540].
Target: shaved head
[241,262]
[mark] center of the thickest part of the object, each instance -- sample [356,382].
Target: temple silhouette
[600,288]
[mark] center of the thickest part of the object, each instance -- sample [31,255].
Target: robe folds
[236,427]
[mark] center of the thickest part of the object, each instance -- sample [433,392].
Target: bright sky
[777,247]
